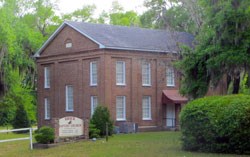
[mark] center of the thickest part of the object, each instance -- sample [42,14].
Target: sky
[67,6]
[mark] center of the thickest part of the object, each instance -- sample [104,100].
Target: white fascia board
[37,54]
[135,49]
[101,46]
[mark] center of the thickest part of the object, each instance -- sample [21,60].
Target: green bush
[93,131]
[45,135]
[217,124]
[21,119]
[99,119]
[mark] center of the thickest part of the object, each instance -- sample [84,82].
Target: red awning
[173,96]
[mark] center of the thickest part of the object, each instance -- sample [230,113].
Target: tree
[21,118]
[222,48]
[168,14]
[99,119]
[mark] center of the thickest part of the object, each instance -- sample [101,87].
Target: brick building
[127,69]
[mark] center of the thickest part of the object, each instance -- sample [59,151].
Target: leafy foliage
[45,135]
[99,119]
[222,48]
[217,124]
[93,131]
[21,119]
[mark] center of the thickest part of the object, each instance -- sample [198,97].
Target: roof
[126,38]
[174,96]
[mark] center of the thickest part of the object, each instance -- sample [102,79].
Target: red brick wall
[74,69]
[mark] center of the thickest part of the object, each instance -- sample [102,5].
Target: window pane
[146,107]
[120,108]
[47,108]
[120,72]
[46,77]
[69,98]
[93,73]
[94,103]
[170,77]
[146,78]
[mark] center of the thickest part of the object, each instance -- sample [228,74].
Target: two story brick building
[127,69]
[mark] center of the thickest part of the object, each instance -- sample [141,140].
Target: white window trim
[92,104]
[147,85]
[91,73]
[46,104]
[124,73]
[67,105]
[46,69]
[124,109]
[150,113]
[170,85]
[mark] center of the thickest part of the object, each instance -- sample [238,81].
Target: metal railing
[19,139]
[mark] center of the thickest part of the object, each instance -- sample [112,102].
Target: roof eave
[137,49]
[37,54]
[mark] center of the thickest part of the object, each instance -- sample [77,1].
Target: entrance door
[170,115]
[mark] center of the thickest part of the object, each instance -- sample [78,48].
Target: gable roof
[126,38]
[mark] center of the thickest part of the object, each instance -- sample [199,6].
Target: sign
[70,126]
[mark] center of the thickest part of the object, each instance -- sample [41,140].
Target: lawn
[165,144]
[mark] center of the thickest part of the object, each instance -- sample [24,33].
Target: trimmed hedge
[217,124]
[45,135]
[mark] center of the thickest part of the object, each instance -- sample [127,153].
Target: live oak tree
[222,48]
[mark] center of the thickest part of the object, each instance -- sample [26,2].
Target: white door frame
[170,115]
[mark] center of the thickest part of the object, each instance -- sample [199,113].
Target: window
[170,77]
[120,108]
[69,98]
[68,43]
[46,77]
[146,108]
[93,73]
[120,73]
[146,74]
[94,103]
[46,108]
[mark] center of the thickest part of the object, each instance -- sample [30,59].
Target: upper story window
[46,77]
[120,108]
[170,77]
[46,108]
[93,73]
[94,103]
[68,43]
[120,73]
[146,108]
[69,98]
[146,74]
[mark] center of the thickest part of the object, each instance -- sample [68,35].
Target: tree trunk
[236,83]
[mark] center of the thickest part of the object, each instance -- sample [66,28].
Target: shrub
[21,119]
[45,135]
[99,119]
[93,131]
[217,124]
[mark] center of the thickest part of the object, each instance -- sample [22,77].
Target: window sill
[121,84]
[146,85]
[93,85]
[70,111]
[170,85]
[119,120]
[47,119]
[46,87]
[147,119]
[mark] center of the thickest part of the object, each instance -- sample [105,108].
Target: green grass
[165,144]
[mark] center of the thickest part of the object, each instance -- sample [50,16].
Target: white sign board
[70,126]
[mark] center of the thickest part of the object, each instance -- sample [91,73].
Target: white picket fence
[19,139]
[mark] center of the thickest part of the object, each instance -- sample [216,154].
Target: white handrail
[18,139]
